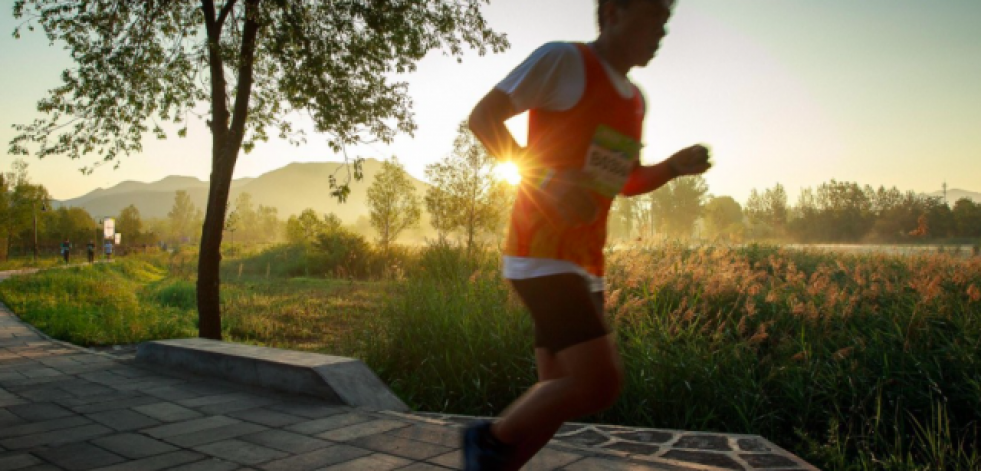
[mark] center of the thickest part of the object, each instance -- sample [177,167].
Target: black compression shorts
[565,312]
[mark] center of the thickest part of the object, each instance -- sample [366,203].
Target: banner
[119,238]
[109,228]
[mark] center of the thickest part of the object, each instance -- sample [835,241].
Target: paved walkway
[64,407]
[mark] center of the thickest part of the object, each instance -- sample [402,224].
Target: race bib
[609,161]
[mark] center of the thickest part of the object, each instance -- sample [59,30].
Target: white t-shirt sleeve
[551,78]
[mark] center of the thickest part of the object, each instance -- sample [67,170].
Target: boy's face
[637,29]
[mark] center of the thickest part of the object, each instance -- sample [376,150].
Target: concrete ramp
[339,380]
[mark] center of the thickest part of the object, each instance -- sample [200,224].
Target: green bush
[344,254]
[176,293]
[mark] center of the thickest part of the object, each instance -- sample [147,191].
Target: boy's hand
[693,160]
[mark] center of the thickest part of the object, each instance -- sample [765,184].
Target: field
[852,361]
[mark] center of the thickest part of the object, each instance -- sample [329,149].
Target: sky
[797,92]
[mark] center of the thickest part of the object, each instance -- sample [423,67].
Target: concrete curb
[339,380]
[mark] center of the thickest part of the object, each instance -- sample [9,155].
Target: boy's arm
[647,179]
[487,123]
[693,160]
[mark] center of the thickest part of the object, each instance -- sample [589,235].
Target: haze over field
[881,92]
[290,190]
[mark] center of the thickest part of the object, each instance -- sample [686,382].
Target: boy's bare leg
[548,369]
[591,383]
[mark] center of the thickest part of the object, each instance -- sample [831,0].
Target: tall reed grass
[854,362]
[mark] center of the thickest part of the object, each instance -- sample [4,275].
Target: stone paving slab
[64,407]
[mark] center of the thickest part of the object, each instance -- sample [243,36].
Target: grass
[139,298]
[850,361]
[95,305]
[22,262]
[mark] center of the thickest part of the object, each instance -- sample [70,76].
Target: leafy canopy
[138,64]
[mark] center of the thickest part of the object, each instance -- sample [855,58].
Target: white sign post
[108,228]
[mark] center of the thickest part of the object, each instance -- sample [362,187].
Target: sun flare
[508,172]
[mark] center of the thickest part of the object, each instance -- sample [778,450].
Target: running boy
[584,133]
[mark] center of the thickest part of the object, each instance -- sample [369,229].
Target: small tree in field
[257,63]
[130,224]
[465,194]
[392,202]
[182,216]
[723,218]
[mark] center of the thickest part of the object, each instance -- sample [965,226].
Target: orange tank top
[600,135]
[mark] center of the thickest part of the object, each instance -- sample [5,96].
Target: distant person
[108,249]
[90,250]
[585,126]
[66,250]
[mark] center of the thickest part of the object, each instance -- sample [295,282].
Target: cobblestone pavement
[64,407]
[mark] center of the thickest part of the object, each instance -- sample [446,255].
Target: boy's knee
[600,391]
[610,389]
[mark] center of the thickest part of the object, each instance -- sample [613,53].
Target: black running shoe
[481,451]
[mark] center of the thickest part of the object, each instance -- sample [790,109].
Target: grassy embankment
[27,262]
[853,362]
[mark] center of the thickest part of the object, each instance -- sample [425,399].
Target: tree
[75,224]
[466,195]
[232,223]
[256,62]
[723,217]
[939,217]
[677,205]
[438,202]
[887,206]
[182,216]
[622,217]
[269,224]
[247,218]
[845,212]
[768,212]
[897,214]
[775,201]
[20,202]
[967,218]
[130,224]
[392,202]
[304,229]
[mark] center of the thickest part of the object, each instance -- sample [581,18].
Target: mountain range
[289,189]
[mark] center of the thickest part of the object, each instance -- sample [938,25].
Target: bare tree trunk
[209,258]
[226,142]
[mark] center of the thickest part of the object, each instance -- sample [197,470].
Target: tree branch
[225,11]
[246,70]
[219,98]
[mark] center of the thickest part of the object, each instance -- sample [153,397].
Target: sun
[508,172]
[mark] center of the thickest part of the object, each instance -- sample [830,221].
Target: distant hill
[956,194]
[290,190]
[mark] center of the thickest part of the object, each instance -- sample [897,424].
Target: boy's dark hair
[600,17]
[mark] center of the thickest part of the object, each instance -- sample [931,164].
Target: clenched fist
[693,160]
